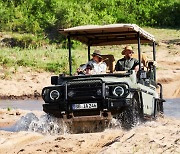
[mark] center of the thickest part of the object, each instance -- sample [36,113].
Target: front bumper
[105,109]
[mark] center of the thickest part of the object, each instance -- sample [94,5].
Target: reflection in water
[172,107]
[22,104]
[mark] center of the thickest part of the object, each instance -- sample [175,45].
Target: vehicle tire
[160,107]
[132,114]
[160,111]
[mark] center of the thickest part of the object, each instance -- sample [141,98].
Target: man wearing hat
[127,63]
[99,67]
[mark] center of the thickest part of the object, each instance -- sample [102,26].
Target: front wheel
[159,108]
[132,114]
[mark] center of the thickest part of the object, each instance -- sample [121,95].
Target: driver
[127,63]
[99,67]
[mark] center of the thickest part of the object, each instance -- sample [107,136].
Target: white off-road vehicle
[126,96]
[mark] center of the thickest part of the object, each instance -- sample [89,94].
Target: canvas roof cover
[113,34]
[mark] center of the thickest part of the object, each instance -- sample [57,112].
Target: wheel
[160,107]
[159,110]
[132,114]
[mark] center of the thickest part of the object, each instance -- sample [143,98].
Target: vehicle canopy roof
[113,34]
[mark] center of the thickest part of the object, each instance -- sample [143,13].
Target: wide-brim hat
[126,49]
[97,53]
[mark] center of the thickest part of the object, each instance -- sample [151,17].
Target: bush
[47,16]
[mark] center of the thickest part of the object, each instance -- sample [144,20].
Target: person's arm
[136,65]
[136,68]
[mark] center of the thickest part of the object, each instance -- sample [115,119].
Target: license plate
[84,106]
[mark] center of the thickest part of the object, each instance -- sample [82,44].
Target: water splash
[114,124]
[46,124]
[24,122]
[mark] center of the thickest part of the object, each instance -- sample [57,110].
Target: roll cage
[114,34]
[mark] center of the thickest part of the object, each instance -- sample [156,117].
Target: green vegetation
[8,109]
[45,17]
[54,58]
[29,28]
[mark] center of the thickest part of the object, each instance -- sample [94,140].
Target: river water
[50,125]
[171,106]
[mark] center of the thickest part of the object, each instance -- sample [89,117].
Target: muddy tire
[159,109]
[131,115]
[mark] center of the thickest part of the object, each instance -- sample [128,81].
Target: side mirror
[54,80]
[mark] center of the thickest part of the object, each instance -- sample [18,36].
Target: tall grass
[49,59]
[54,58]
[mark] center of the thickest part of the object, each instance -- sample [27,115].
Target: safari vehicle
[127,96]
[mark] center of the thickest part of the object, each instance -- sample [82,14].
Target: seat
[144,59]
[110,62]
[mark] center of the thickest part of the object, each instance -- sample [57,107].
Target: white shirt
[99,68]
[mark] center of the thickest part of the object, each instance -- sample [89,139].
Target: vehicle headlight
[118,91]
[54,94]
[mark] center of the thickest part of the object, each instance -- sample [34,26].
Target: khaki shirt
[126,64]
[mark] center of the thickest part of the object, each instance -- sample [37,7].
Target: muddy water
[171,106]
[22,104]
[51,125]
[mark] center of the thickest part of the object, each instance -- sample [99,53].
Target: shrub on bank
[47,16]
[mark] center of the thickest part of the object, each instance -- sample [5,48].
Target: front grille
[84,89]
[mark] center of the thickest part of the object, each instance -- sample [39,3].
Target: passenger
[97,61]
[89,69]
[127,63]
[150,72]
